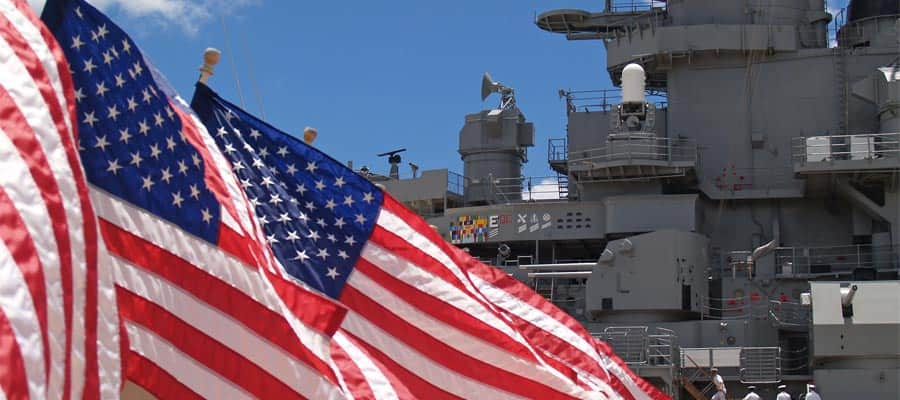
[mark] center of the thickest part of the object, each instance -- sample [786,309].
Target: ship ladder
[688,381]
[562,183]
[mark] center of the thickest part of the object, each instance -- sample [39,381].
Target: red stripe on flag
[550,342]
[419,388]
[14,234]
[353,376]
[13,380]
[315,311]
[442,353]
[437,308]
[648,389]
[214,292]
[23,137]
[62,66]
[565,351]
[206,350]
[214,181]
[153,379]
[536,335]
[91,389]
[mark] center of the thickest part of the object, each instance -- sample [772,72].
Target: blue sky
[373,76]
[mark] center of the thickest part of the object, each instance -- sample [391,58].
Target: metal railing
[639,345]
[795,362]
[813,149]
[557,149]
[635,5]
[848,33]
[525,188]
[456,183]
[636,148]
[733,308]
[837,22]
[789,314]
[760,365]
[753,364]
[662,347]
[811,261]
[708,357]
[604,99]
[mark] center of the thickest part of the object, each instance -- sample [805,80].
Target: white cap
[782,386]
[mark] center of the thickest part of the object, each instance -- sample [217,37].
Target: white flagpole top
[211,57]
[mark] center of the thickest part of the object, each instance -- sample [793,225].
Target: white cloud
[187,15]
[545,189]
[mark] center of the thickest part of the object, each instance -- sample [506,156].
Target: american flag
[200,313]
[443,324]
[58,324]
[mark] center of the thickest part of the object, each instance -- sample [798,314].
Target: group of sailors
[751,390]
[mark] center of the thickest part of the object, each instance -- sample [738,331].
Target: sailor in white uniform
[751,394]
[813,395]
[783,394]
[717,380]
[720,395]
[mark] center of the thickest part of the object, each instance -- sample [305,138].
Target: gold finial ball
[310,134]
[211,56]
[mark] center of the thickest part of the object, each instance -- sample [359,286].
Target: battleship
[734,203]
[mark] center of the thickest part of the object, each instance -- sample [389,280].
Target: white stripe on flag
[205,257]
[189,372]
[108,358]
[220,327]
[24,193]
[379,383]
[432,285]
[453,337]
[432,372]
[18,306]
[25,93]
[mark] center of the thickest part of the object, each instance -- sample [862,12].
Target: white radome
[633,83]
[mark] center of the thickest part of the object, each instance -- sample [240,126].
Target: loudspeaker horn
[488,86]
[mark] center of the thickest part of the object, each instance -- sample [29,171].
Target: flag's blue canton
[316,213]
[130,138]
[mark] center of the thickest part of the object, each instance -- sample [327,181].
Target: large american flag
[201,314]
[444,324]
[58,324]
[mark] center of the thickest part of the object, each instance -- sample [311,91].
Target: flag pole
[211,57]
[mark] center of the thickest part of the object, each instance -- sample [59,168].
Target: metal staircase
[562,182]
[688,385]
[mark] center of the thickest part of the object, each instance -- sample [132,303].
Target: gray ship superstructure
[735,205]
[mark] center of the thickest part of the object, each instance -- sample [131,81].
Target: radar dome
[633,81]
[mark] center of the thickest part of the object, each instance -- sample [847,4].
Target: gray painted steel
[780,124]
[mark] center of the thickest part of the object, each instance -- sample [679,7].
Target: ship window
[578,213]
[568,214]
